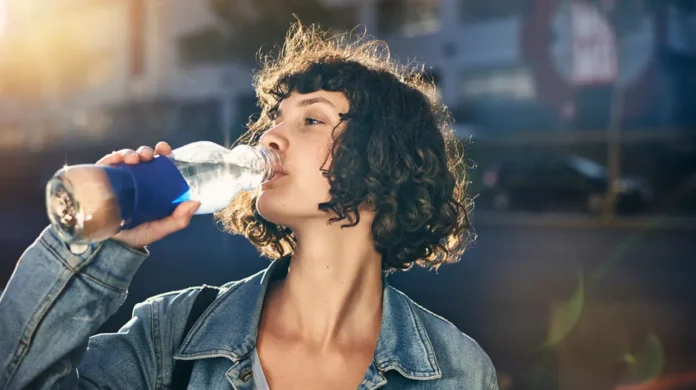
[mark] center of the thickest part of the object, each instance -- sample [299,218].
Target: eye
[311,121]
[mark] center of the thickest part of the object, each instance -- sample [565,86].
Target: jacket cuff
[110,263]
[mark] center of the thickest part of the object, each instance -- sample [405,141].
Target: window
[484,10]
[408,17]
[514,83]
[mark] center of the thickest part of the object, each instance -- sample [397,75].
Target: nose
[274,139]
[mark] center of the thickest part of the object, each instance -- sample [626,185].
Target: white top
[260,382]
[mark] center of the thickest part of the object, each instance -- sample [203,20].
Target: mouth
[278,174]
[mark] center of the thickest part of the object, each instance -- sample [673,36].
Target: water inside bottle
[214,184]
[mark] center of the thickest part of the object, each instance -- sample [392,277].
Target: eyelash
[273,115]
[307,119]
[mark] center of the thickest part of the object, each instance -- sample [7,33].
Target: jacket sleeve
[57,297]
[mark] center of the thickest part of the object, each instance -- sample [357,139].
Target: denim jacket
[59,296]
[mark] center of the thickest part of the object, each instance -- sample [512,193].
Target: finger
[163,148]
[145,153]
[129,156]
[112,158]
[186,209]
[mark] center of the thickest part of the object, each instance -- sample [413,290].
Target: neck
[333,290]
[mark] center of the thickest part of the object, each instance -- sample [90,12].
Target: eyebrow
[310,101]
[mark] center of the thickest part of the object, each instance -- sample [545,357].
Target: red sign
[573,44]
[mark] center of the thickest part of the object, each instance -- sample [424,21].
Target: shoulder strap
[182,368]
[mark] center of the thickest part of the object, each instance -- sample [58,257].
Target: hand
[149,232]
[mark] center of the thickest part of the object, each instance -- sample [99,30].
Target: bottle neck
[270,161]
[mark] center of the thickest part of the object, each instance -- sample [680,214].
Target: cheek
[309,182]
[323,163]
[315,185]
[323,187]
[316,160]
[311,188]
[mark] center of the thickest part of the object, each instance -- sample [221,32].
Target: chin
[275,208]
[283,210]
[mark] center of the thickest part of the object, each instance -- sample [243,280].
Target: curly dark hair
[397,151]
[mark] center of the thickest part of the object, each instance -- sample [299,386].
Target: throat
[327,314]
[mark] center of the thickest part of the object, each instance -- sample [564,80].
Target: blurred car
[558,183]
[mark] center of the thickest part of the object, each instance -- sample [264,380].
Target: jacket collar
[229,328]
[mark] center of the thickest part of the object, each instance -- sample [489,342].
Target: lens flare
[565,315]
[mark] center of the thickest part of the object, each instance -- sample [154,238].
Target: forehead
[334,100]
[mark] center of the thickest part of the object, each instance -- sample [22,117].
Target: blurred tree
[249,25]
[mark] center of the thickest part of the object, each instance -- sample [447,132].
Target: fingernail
[194,207]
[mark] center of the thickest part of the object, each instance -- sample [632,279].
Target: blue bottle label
[150,191]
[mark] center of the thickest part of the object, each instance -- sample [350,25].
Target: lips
[278,174]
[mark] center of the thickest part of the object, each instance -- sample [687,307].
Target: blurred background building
[518,75]
[559,101]
[502,66]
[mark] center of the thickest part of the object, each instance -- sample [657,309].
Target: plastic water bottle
[90,203]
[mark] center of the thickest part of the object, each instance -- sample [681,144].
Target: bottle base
[64,211]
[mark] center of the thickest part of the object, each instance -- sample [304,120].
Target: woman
[371,183]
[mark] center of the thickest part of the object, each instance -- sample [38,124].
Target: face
[302,136]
